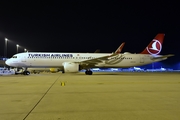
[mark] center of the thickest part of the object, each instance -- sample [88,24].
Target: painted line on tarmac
[41,99]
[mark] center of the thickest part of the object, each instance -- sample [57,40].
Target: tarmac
[101,96]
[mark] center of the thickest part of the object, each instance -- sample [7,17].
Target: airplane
[74,62]
[54,70]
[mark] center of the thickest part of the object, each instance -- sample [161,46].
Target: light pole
[5,48]
[25,49]
[17,47]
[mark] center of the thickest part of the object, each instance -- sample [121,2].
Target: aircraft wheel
[88,72]
[26,73]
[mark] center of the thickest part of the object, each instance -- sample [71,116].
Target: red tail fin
[155,46]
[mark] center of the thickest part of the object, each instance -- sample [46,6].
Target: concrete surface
[102,96]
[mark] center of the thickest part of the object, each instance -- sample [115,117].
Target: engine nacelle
[71,67]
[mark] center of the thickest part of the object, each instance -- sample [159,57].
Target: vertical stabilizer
[155,46]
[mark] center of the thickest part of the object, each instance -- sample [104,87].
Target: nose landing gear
[22,71]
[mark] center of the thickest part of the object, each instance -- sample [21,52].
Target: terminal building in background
[2,62]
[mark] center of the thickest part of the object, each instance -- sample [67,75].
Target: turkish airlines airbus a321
[74,62]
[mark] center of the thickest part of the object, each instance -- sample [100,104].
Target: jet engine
[71,67]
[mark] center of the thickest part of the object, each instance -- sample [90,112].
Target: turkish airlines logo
[154,48]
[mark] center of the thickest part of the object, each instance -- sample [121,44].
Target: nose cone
[8,62]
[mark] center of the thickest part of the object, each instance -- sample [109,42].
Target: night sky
[84,26]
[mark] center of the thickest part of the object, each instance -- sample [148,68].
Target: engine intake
[71,67]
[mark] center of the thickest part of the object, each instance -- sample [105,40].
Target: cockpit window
[14,56]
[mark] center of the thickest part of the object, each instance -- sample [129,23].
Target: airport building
[2,62]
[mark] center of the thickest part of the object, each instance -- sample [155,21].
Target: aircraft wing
[162,57]
[93,62]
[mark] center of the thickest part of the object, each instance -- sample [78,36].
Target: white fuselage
[56,60]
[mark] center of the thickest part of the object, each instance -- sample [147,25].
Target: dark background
[84,26]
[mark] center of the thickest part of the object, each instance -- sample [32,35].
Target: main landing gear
[88,72]
[26,73]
